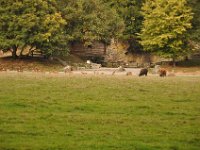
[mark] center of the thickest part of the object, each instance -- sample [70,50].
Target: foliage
[165,26]
[90,20]
[33,23]
[195,31]
[49,25]
[130,12]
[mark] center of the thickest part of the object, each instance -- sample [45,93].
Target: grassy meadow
[99,113]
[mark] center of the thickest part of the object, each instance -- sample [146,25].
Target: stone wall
[117,52]
[96,49]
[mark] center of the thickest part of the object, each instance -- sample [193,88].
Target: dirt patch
[53,67]
[29,64]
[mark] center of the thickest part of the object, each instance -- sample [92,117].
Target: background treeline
[166,27]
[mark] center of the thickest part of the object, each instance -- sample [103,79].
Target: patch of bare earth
[28,64]
[45,66]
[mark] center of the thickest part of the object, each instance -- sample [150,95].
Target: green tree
[90,20]
[195,31]
[130,12]
[165,26]
[35,23]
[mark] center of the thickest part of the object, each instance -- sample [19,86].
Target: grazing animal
[68,69]
[129,74]
[143,72]
[36,69]
[84,73]
[156,69]
[162,72]
[1,68]
[120,69]
[96,72]
[20,69]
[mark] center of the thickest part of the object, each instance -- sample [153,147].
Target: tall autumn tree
[35,23]
[165,26]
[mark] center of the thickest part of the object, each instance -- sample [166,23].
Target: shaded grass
[109,113]
[29,64]
[189,63]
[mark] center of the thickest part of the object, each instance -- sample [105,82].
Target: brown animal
[143,72]
[96,72]
[1,68]
[84,73]
[129,74]
[36,69]
[20,69]
[162,72]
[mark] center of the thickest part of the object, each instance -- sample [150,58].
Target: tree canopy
[195,31]
[33,23]
[130,12]
[90,20]
[165,26]
[49,25]
[160,26]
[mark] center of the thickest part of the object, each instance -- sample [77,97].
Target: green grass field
[99,113]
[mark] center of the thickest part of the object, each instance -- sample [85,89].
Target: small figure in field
[1,69]
[68,69]
[129,74]
[120,69]
[36,69]
[156,69]
[143,72]
[83,73]
[20,69]
[162,72]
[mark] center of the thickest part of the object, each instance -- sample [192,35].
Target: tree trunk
[174,61]
[186,58]
[14,51]
[21,53]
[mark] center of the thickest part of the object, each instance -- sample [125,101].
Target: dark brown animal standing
[143,72]
[162,72]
